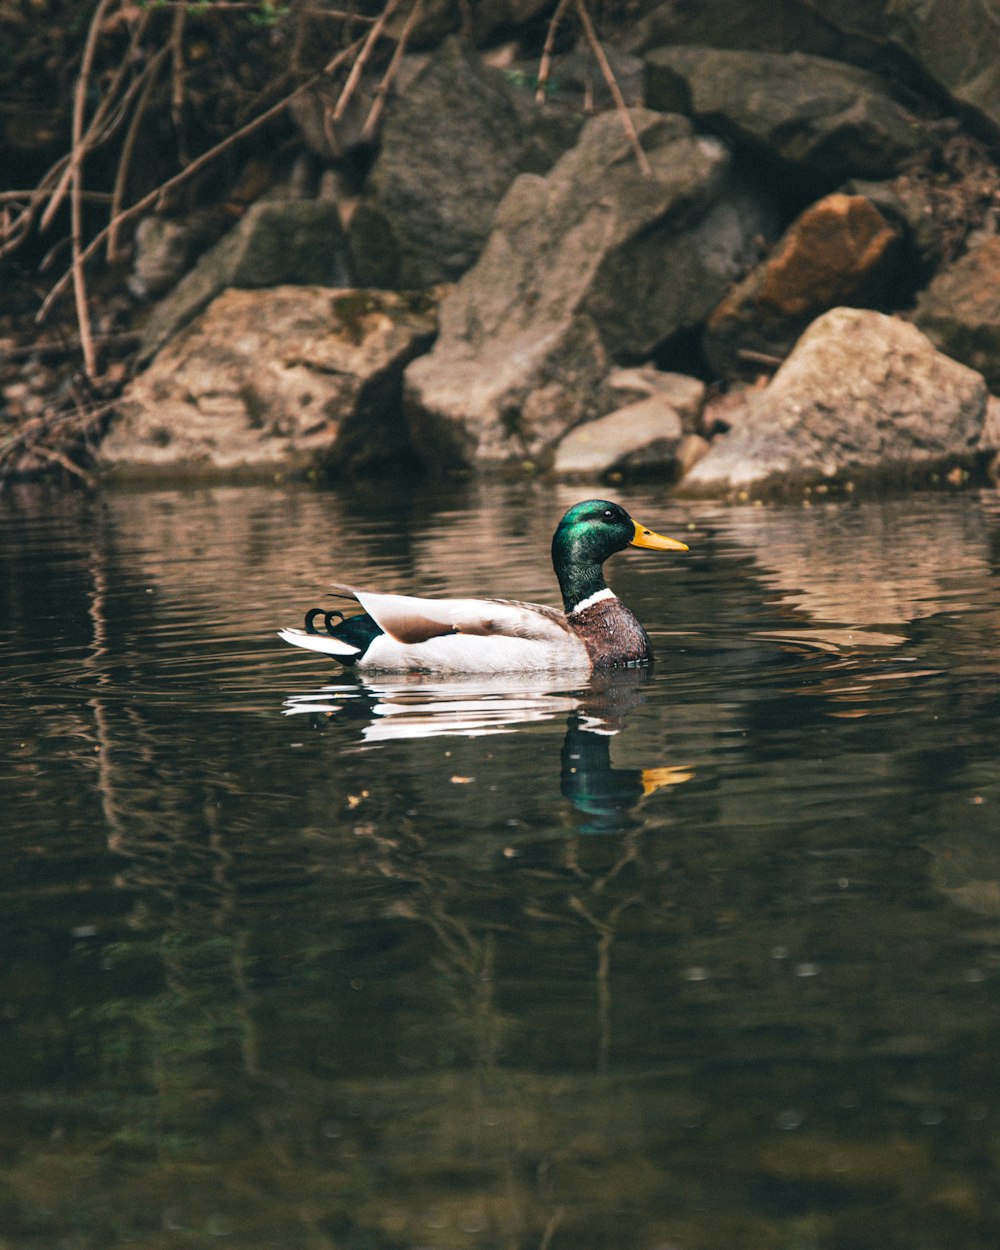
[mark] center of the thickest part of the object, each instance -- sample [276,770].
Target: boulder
[847,30]
[960,310]
[452,143]
[641,439]
[957,45]
[862,396]
[805,113]
[594,263]
[287,380]
[276,241]
[841,250]
[686,395]
[949,46]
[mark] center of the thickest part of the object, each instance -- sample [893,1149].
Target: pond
[688,958]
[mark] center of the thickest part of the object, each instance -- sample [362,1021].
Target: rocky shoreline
[775,272]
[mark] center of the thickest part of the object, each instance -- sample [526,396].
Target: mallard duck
[398,633]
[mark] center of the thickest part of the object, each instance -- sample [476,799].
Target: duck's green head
[587,535]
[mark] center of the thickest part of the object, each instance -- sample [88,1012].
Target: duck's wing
[412,620]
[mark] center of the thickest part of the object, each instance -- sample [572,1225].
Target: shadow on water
[700,956]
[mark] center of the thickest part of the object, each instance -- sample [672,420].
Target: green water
[694,959]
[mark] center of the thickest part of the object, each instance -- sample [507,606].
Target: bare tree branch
[361,60]
[370,127]
[76,188]
[545,64]
[609,77]
[206,158]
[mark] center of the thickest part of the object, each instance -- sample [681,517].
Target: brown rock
[840,251]
[281,380]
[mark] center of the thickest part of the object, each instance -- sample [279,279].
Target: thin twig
[94,197]
[218,6]
[361,60]
[545,64]
[128,148]
[760,358]
[466,19]
[382,91]
[76,188]
[47,348]
[60,458]
[39,427]
[551,1227]
[18,231]
[609,77]
[87,138]
[198,163]
[80,280]
[177,79]
[52,187]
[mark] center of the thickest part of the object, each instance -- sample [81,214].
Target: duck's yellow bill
[654,542]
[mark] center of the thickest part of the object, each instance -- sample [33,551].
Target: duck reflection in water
[415,706]
[602,794]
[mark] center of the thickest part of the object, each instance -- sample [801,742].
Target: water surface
[700,957]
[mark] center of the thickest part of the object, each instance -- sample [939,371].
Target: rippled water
[695,958]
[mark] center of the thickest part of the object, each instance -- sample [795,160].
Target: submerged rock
[806,113]
[960,310]
[595,261]
[841,250]
[861,396]
[284,380]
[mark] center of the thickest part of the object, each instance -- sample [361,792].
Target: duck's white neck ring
[590,600]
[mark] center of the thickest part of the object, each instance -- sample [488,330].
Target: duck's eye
[608,513]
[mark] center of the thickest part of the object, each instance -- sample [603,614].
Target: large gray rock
[954,44]
[847,30]
[862,396]
[452,144]
[286,380]
[593,262]
[276,241]
[957,44]
[960,310]
[832,121]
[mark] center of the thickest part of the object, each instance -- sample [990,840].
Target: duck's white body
[455,636]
